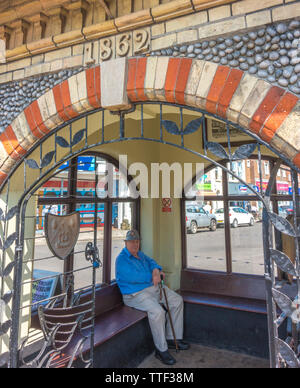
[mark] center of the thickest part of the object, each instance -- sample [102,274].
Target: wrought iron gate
[72,311]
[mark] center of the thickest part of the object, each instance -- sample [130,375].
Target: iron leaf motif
[7,297]
[47,159]
[171,127]
[4,358]
[244,151]
[62,142]
[7,270]
[193,126]
[2,307]
[281,224]
[1,215]
[10,240]
[78,137]
[217,149]
[32,164]
[283,262]
[283,302]
[11,213]
[287,354]
[5,327]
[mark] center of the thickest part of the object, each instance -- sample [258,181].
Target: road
[205,250]
[83,269]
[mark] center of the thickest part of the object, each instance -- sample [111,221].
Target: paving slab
[199,356]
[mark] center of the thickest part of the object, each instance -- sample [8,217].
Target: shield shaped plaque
[62,233]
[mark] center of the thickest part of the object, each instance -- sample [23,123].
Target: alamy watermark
[2,51]
[160,180]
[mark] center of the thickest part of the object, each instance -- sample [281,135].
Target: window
[267,169]
[205,244]
[236,244]
[82,185]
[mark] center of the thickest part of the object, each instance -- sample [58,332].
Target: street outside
[82,268]
[205,250]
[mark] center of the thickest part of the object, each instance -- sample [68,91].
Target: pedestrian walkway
[199,356]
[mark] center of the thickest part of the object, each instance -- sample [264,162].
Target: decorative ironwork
[282,353]
[92,255]
[58,336]
[76,139]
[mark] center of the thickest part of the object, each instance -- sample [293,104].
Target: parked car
[197,217]
[237,216]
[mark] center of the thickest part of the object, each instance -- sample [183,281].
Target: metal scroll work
[64,339]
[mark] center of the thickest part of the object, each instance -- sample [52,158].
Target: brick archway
[269,111]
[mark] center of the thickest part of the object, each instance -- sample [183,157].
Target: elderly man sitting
[138,277]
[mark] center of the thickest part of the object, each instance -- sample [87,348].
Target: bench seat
[226,302]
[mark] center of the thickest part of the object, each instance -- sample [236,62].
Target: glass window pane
[88,229]
[55,187]
[208,184]
[85,184]
[112,182]
[285,208]
[206,237]
[284,183]
[247,239]
[248,171]
[122,221]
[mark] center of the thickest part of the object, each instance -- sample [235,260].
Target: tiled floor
[199,356]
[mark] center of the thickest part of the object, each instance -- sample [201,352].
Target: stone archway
[270,112]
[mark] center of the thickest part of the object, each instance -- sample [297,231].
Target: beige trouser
[149,300]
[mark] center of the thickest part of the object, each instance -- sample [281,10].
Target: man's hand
[156,277]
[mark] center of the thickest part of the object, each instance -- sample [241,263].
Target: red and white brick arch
[269,111]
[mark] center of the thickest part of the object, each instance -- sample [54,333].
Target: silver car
[197,217]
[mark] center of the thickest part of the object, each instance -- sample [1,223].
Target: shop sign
[243,188]
[43,287]
[203,186]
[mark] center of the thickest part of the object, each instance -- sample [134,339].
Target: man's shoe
[181,345]
[165,357]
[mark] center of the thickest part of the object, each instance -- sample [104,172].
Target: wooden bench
[112,319]
[232,323]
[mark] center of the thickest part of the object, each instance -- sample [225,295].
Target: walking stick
[161,285]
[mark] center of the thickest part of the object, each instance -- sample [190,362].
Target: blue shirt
[132,274]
